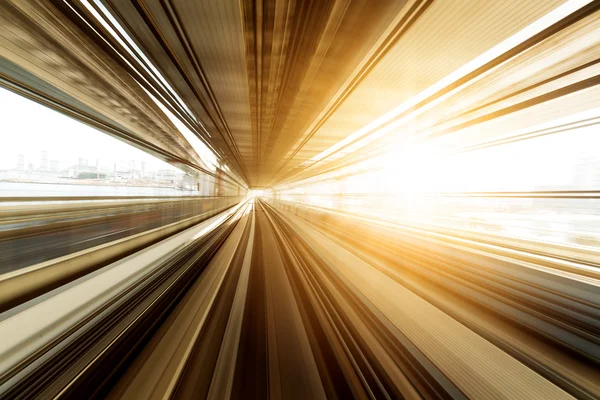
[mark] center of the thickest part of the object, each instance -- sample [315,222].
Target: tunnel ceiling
[271,84]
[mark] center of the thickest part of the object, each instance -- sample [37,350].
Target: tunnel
[300,199]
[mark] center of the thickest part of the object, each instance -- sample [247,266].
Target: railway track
[259,302]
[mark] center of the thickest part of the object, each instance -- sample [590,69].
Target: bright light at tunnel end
[253,193]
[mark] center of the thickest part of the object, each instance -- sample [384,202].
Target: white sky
[29,128]
[563,161]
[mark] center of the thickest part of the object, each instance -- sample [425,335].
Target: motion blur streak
[367,199]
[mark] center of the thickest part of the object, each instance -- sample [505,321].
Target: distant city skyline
[23,161]
[28,129]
